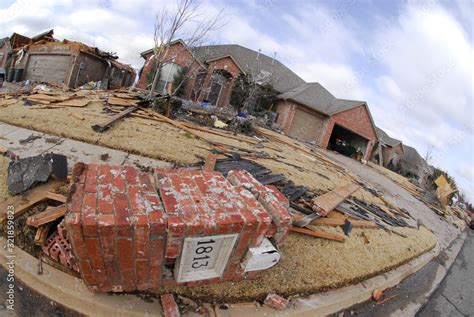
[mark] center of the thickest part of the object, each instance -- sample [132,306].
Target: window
[167,74]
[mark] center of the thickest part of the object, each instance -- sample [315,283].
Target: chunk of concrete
[26,173]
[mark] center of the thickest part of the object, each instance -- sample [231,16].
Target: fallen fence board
[319,234]
[327,202]
[57,197]
[101,127]
[46,216]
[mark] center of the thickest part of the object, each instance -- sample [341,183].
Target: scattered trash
[29,139]
[53,139]
[218,123]
[377,294]
[24,174]
[105,156]
[276,302]
[347,227]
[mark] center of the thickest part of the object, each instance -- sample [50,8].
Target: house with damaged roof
[388,151]
[43,58]
[306,111]
[215,69]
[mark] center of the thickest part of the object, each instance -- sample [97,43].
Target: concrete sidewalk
[75,151]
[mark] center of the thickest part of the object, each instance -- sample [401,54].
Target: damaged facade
[45,59]
[388,151]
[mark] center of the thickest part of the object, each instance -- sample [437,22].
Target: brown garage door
[50,68]
[305,126]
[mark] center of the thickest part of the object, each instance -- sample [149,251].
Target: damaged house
[306,111]
[45,59]
[414,166]
[214,69]
[388,151]
[311,113]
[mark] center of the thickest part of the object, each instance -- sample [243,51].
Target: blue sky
[412,61]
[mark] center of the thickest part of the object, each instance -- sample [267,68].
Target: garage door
[305,126]
[50,68]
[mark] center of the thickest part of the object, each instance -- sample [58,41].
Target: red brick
[141,240]
[275,301]
[169,306]
[157,248]
[95,254]
[143,274]
[105,207]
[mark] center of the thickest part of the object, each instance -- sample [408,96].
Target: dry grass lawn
[309,264]
[3,178]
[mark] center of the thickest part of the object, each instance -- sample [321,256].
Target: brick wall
[182,57]
[356,120]
[286,112]
[126,236]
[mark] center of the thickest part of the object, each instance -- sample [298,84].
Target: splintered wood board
[330,200]
[318,233]
[72,103]
[46,216]
[50,98]
[122,102]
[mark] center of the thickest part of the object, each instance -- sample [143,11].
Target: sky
[411,61]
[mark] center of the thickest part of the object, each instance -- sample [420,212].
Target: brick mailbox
[133,231]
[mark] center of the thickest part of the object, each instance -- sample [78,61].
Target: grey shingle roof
[318,98]
[385,138]
[259,65]
[3,41]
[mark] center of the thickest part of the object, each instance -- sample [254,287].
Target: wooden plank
[318,233]
[334,222]
[42,234]
[46,216]
[80,103]
[27,200]
[57,197]
[101,127]
[210,162]
[327,202]
[122,102]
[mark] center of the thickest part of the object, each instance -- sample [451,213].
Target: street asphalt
[455,295]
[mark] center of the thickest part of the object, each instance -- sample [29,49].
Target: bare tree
[429,154]
[186,23]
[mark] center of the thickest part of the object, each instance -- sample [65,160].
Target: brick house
[389,151]
[311,113]
[213,70]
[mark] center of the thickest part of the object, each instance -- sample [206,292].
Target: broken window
[167,74]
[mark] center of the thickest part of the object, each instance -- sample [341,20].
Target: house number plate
[204,257]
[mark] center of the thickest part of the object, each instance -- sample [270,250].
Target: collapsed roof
[386,139]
